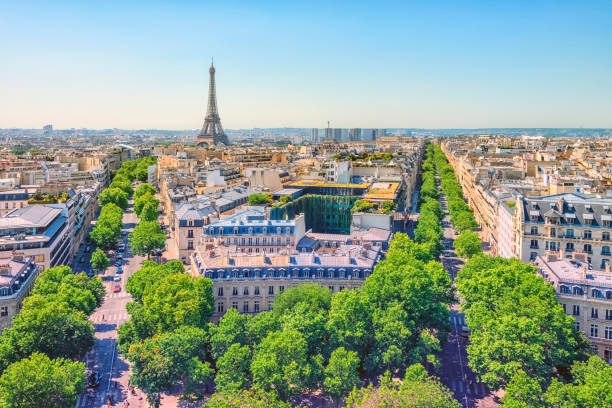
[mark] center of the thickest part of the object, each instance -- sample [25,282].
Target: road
[455,373]
[104,358]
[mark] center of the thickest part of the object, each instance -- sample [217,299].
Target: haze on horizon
[358,64]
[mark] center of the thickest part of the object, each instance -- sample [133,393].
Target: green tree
[468,244]
[123,184]
[363,206]
[37,381]
[147,237]
[523,392]
[115,196]
[99,261]
[143,189]
[103,236]
[592,381]
[149,212]
[142,201]
[246,399]
[149,275]
[175,301]
[50,327]
[341,374]
[259,326]
[350,321]
[388,207]
[464,221]
[233,369]
[177,357]
[230,330]
[414,392]
[313,294]
[310,323]
[260,199]
[280,364]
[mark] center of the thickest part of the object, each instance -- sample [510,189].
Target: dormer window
[235,230]
[190,223]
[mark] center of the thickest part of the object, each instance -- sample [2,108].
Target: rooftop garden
[365,206]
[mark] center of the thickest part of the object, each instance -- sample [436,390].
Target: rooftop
[382,191]
[30,216]
[321,183]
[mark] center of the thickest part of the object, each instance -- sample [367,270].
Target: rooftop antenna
[212,61]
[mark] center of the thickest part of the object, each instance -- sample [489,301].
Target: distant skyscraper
[328,133]
[337,134]
[380,133]
[48,130]
[355,135]
[314,135]
[212,131]
[367,135]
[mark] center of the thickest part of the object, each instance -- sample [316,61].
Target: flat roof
[321,183]
[384,190]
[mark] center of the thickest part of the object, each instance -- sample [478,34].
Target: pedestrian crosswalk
[111,318]
[474,389]
[117,295]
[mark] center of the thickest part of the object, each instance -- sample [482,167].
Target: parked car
[119,269]
[88,249]
[93,379]
[119,255]
[116,278]
[118,263]
[116,287]
[465,331]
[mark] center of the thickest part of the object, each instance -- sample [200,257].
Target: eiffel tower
[212,131]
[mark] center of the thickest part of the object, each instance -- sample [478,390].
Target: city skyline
[278,65]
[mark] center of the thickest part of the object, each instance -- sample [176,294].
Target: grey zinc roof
[30,216]
[575,207]
[194,211]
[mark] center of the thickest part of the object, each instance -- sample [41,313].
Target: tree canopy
[99,261]
[115,196]
[147,237]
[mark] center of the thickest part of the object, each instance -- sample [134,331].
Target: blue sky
[428,64]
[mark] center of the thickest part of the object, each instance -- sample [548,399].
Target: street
[454,370]
[104,358]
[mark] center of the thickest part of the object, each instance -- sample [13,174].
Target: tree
[99,261]
[350,321]
[467,244]
[315,295]
[124,184]
[464,221]
[115,196]
[175,301]
[233,369]
[310,323]
[387,207]
[104,237]
[149,212]
[143,200]
[280,364]
[50,327]
[149,275]
[259,326]
[341,373]
[147,237]
[363,206]
[523,392]
[167,359]
[415,392]
[260,199]
[230,330]
[37,381]
[246,399]
[143,189]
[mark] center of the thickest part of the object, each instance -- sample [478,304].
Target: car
[116,278]
[93,379]
[87,249]
[124,233]
[116,287]
[465,331]
[119,270]
[118,263]
[119,255]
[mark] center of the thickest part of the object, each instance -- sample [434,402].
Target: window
[588,249]
[604,262]
[577,325]
[596,293]
[553,246]
[256,291]
[341,288]
[608,333]
[605,236]
[534,230]
[569,233]
[270,290]
[280,289]
[569,247]
[563,305]
[533,256]
[594,313]
[245,307]
[245,291]
[256,307]
[587,234]
[578,291]
[576,310]
[220,292]
[533,244]
[4,311]
[190,223]
[190,233]
[605,250]
[234,291]
[553,232]
[189,245]
[331,289]
[220,307]
[235,305]
[594,330]
[270,305]
[608,314]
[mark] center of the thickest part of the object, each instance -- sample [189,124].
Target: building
[189,220]
[314,135]
[565,223]
[17,276]
[15,198]
[248,282]
[252,233]
[355,135]
[48,130]
[584,294]
[41,231]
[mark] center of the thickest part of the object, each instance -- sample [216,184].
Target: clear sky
[433,64]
